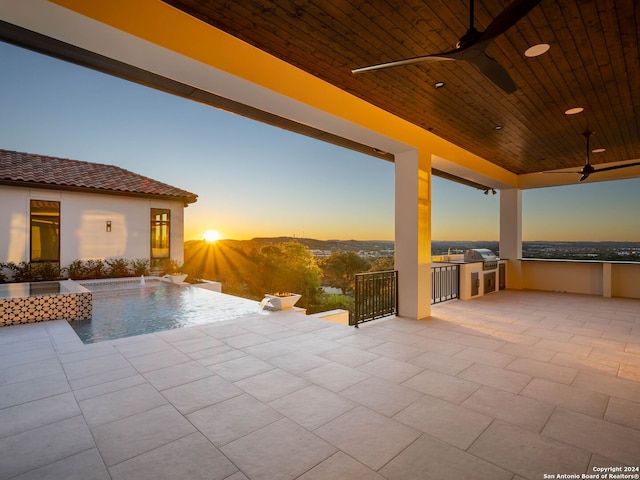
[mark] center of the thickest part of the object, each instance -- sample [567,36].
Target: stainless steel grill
[484,255]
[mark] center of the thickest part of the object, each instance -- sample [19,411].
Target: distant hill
[313,244]
[625,251]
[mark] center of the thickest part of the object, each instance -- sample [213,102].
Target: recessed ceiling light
[536,50]
[438,84]
[498,127]
[598,150]
[573,111]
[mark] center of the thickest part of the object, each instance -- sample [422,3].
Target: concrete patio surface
[514,385]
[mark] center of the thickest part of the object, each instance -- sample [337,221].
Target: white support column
[413,233]
[511,235]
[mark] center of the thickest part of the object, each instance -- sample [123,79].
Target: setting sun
[212,235]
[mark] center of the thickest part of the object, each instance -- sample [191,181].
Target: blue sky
[256,180]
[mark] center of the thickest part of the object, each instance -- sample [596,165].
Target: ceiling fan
[589,169]
[472,45]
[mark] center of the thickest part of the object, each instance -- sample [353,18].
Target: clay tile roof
[41,170]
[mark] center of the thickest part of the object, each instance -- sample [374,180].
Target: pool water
[127,310]
[13,290]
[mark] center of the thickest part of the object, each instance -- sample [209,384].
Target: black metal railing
[445,283]
[376,296]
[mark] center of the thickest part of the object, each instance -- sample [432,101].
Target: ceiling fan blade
[507,19]
[495,72]
[584,176]
[441,57]
[616,167]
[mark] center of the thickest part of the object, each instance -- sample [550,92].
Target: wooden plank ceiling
[593,62]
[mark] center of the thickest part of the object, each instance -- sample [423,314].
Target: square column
[511,235]
[413,233]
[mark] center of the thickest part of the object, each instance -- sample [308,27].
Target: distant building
[61,210]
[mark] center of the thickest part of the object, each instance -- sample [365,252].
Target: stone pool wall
[76,304]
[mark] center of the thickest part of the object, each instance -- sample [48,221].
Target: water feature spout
[141,279]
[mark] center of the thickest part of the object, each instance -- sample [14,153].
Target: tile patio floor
[509,386]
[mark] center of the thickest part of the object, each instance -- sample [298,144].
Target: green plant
[140,267]
[118,267]
[46,271]
[3,275]
[21,272]
[76,270]
[171,267]
[96,269]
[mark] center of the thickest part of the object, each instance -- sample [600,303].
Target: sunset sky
[254,180]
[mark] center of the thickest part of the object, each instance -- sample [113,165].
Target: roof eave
[186,200]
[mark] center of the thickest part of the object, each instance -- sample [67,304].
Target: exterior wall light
[108,225]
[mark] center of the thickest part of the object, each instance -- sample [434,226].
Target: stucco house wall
[83,225]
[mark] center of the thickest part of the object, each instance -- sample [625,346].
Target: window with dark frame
[45,231]
[160,235]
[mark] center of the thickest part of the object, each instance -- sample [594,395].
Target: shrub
[118,267]
[21,272]
[96,269]
[46,271]
[140,267]
[3,275]
[76,270]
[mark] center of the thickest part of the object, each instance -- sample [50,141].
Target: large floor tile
[605,438]
[432,459]
[567,396]
[527,453]
[93,366]
[488,357]
[538,369]
[367,436]
[439,362]
[341,466]
[439,385]
[28,416]
[298,362]
[382,396]
[446,421]
[509,407]
[109,387]
[44,445]
[619,387]
[312,406]
[495,377]
[192,457]
[334,376]
[129,437]
[177,375]
[120,404]
[270,385]
[239,368]
[197,344]
[201,393]
[35,389]
[265,351]
[390,369]
[87,465]
[349,356]
[623,412]
[29,371]
[282,450]
[397,351]
[158,360]
[229,420]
